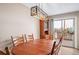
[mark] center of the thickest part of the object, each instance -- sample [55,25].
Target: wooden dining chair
[49,37]
[17,40]
[7,51]
[30,37]
[2,53]
[56,47]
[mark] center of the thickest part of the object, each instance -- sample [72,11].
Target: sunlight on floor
[68,51]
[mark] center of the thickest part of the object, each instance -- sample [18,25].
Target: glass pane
[57,28]
[69,23]
[57,24]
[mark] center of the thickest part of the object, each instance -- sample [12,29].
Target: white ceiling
[56,8]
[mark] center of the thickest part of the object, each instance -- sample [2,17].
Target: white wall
[15,19]
[70,15]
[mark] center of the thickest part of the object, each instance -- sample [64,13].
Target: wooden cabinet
[44,29]
[42,33]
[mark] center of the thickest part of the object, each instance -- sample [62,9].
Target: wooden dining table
[33,47]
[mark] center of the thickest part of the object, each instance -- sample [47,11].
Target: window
[69,23]
[57,24]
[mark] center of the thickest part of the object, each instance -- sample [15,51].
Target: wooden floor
[68,51]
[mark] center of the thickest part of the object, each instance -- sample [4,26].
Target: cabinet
[44,29]
[42,33]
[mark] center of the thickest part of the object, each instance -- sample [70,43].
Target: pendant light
[37,12]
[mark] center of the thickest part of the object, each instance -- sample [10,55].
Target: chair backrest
[61,38]
[7,51]
[17,40]
[25,37]
[56,47]
[30,37]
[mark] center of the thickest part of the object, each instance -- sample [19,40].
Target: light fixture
[34,11]
[37,12]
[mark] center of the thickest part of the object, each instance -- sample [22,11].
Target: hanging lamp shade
[34,11]
[37,12]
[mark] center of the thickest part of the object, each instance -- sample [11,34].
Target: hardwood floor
[68,51]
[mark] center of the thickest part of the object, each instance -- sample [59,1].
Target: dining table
[33,47]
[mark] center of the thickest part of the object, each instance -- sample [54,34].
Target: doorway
[66,27]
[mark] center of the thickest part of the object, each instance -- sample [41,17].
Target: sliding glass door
[64,27]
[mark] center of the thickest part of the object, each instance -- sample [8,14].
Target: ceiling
[56,8]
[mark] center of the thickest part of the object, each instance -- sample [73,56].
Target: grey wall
[15,20]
